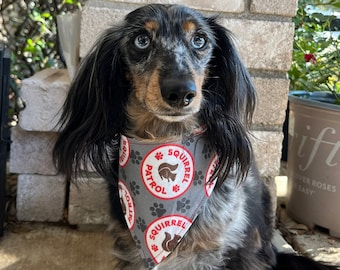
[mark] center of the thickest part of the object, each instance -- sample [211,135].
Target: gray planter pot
[314,160]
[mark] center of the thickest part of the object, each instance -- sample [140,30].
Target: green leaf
[46,15]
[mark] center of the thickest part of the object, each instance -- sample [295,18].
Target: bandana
[162,189]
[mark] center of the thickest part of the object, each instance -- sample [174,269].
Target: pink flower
[309,57]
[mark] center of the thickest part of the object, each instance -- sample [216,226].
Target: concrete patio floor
[314,243]
[35,246]
[27,246]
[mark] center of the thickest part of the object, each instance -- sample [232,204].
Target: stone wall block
[41,198]
[89,202]
[92,28]
[43,94]
[274,7]
[267,150]
[271,102]
[31,152]
[111,14]
[264,45]
[232,6]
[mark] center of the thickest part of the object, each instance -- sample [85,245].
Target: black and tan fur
[161,73]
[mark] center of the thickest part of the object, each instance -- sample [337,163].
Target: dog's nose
[178,92]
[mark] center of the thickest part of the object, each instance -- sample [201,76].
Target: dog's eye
[198,41]
[142,41]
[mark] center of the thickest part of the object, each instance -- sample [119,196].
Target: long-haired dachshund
[168,74]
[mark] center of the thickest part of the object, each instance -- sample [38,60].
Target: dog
[167,72]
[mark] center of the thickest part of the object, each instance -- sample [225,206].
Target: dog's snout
[178,92]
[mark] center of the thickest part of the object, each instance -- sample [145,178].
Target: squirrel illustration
[169,244]
[166,170]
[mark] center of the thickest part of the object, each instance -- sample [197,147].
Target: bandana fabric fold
[162,188]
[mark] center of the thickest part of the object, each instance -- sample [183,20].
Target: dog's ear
[93,113]
[230,101]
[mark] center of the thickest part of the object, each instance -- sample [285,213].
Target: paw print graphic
[207,151]
[141,224]
[199,178]
[154,248]
[157,210]
[176,188]
[134,187]
[149,263]
[183,205]
[137,241]
[136,157]
[189,142]
[159,156]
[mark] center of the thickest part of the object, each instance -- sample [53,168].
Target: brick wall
[264,33]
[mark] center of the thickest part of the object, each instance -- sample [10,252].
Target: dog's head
[167,50]
[164,70]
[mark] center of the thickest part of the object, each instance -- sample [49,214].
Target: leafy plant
[316,51]
[30,32]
